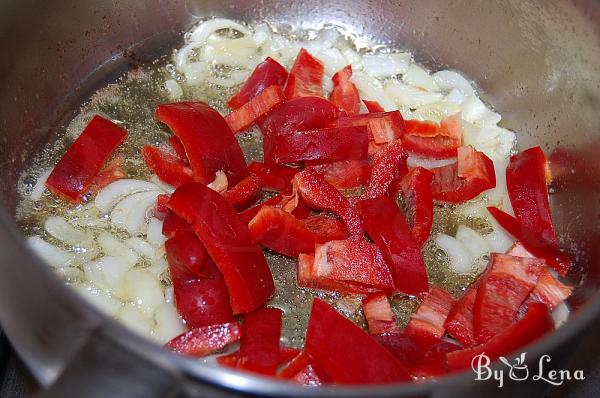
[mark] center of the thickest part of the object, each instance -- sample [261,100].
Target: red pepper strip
[302,370]
[472,174]
[227,240]
[161,209]
[281,232]
[286,354]
[245,192]
[266,74]
[172,224]
[506,285]
[178,148]
[306,276]
[426,326]
[205,340]
[345,94]
[306,77]
[188,256]
[250,213]
[325,228]
[113,171]
[259,345]
[202,302]
[386,225]
[75,171]
[346,353]
[327,145]
[229,360]
[427,139]
[379,314]
[533,325]
[167,167]
[528,192]
[208,141]
[533,242]
[319,194]
[385,126]
[373,106]
[246,115]
[345,174]
[416,191]
[389,165]
[459,323]
[274,177]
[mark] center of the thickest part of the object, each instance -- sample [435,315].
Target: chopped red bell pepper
[346,353]
[161,209]
[389,165]
[75,172]
[345,174]
[306,77]
[266,74]
[178,148]
[528,192]
[186,255]
[416,191]
[286,354]
[280,231]
[250,213]
[303,371]
[430,140]
[248,114]
[229,360]
[113,171]
[202,302]
[319,194]
[327,145]
[227,240]
[208,141]
[245,192]
[379,314]
[533,241]
[345,94]
[205,340]
[426,326]
[533,325]
[459,322]
[507,283]
[172,224]
[274,177]
[373,106]
[325,228]
[472,174]
[385,127]
[167,167]
[259,344]
[386,225]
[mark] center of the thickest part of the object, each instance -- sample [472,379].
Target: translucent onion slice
[71,275]
[475,111]
[419,77]
[54,256]
[386,65]
[173,89]
[472,241]
[133,318]
[460,259]
[40,186]
[143,248]
[206,29]
[59,228]
[130,213]
[108,197]
[371,89]
[112,246]
[144,290]
[108,273]
[415,161]
[154,233]
[168,323]
[100,299]
[409,96]
[449,79]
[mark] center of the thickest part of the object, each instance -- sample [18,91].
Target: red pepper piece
[229,360]
[302,370]
[167,167]
[178,148]
[345,94]
[280,231]
[286,354]
[416,191]
[459,322]
[373,106]
[245,192]
[208,141]
[346,353]
[325,228]
[389,165]
[205,340]
[472,174]
[345,174]
[161,209]
[319,194]
[327,145]
[386,225]
[274,177]
[203,302]
[306,77]
[248,114]
[506,285]
[172,224]
[75,172]
[188,256]
[379,314]
[227,240]
[250,213]
[427,139]
[533,241]
[113,171]
[426,326]
[528,192]
[533,325]
[266,74]
[385,127]
[259,344]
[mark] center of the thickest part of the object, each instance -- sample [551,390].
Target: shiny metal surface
[536,62]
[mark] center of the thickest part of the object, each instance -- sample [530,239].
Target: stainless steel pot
[536,61]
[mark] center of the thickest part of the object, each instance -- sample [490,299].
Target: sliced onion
[162,185]
[232,52]
[54,256]
[560,314]
[130,213]
[498,240]
[108,273]
[136,320]
[169,295]
[449,79]
[262,34]
[168,323]
[159,267]
[195,72]
[408,96]
[475,111]
[353,58]
[108,197]
[419,77]
[460,260]
[59,228]
[143,248]
[154,234]
[112,246]
[436,112]
[472,241]
[371,89]
[100,299]
[386,65]
[173,88]
[332,59]
[455,96]
[71,275]
[415,161]
[206,29]
[144,289]
[40,186]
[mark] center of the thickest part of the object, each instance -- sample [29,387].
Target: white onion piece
[54,256]
[415,161]
[460,260]
[220,183]
[40,186]
[173,89]
[560,314]
[71,275]
[408,96]
[472,241]
[473,209]
[419,77]
[112,246]
[169,295]
[498,196]
[100,299]
[436,112]
[206,29]
[333,60]
[143,248]
[371,89]
[353,58]
[449,79]
[498,240]
[161,184]
[154,233]
[136,320]
[144,289]
[195,72]
[455,96]
[386,65]
[130,213]
[108,196]
[329,37]
[158,267]
[233,52]
[168,323]
[59,228]
[108,273]
[262,34]
[475,111]
[494,141]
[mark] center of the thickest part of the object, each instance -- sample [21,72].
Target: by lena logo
[519,371]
